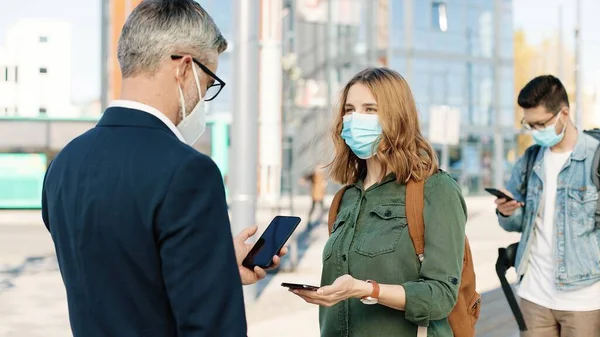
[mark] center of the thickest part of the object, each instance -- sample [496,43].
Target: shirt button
[388,213]
[344,257]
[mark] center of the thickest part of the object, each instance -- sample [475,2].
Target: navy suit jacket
[141,230]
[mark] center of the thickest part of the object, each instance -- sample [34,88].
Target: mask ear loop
[181,98]
[197,82]
[564,127]
[558,118]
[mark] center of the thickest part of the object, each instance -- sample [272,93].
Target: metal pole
[371,36]
[104,54]
[560,42]
[498,137]
[578,72]
[244,145]
[330,54]
[445,145]
[408,37]
[389,52]
[291,115]
[290,263]
[470,107]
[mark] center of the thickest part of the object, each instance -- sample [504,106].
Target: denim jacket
[577,239]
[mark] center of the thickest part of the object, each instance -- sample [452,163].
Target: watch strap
[375,293]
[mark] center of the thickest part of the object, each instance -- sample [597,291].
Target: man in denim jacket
[558,260]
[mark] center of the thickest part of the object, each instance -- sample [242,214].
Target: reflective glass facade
[452,63]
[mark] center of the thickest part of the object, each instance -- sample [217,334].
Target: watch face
[369,300]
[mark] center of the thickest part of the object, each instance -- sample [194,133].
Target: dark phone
[271,241]
[299,286]
[498,194]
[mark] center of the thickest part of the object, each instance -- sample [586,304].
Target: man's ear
[566,112]
[182,67]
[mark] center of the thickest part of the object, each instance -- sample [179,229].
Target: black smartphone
[498,194]
[271,241]
[299,286]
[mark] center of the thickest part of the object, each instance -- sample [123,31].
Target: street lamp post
[244,137]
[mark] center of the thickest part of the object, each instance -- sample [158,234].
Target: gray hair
[156,29]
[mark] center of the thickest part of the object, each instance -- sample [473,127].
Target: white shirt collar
[146,108]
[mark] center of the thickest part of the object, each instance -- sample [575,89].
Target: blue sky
[539,18]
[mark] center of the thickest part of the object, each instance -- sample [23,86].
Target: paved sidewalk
[34,302]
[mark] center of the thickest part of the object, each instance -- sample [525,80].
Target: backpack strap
[415,200]
[335,206]
[530,156]
[506,260]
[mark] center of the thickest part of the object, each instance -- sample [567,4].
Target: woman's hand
[343,288]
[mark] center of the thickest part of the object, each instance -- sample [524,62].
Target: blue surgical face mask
[548,136]
[361,133]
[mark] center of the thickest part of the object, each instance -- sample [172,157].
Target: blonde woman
[373,284]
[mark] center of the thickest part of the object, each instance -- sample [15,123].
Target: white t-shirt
[539,282]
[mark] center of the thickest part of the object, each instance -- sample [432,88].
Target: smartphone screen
[271,241]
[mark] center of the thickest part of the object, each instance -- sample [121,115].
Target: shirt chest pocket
[381,230]
[582,209]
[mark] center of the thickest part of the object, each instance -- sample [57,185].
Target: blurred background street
[465,61]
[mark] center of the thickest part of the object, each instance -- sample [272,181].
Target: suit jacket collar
[120,116]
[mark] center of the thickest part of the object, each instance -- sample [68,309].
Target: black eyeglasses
[214,89]
[540,126]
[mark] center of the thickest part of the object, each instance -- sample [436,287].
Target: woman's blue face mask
[362,132]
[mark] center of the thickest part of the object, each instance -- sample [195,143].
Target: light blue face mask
[548,136]
[361,133]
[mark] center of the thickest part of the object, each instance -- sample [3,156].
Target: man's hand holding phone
[507,207]
[242,249]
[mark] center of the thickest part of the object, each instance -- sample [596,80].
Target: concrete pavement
[33,303]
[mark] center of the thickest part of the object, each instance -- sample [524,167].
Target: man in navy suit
[138,217]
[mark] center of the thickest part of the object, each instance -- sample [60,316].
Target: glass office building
[451,62]
[446,50]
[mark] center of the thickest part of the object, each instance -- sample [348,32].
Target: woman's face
[360,100]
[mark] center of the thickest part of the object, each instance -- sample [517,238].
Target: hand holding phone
[498,194]
[271,242]
[505,204]
[293,286]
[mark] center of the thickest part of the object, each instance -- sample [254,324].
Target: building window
[439,16]
[5,74]
[43,39]
[16,74]
[42,111]
[43,70]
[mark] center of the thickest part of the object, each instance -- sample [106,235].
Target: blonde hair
[402,148]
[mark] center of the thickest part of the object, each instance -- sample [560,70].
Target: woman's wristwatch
[374,297]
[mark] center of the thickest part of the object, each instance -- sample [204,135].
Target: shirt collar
[389,177]
[153,111]
[583,146]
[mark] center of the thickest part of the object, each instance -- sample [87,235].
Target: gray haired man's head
[156,29]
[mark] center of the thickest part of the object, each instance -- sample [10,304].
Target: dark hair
[545,90]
